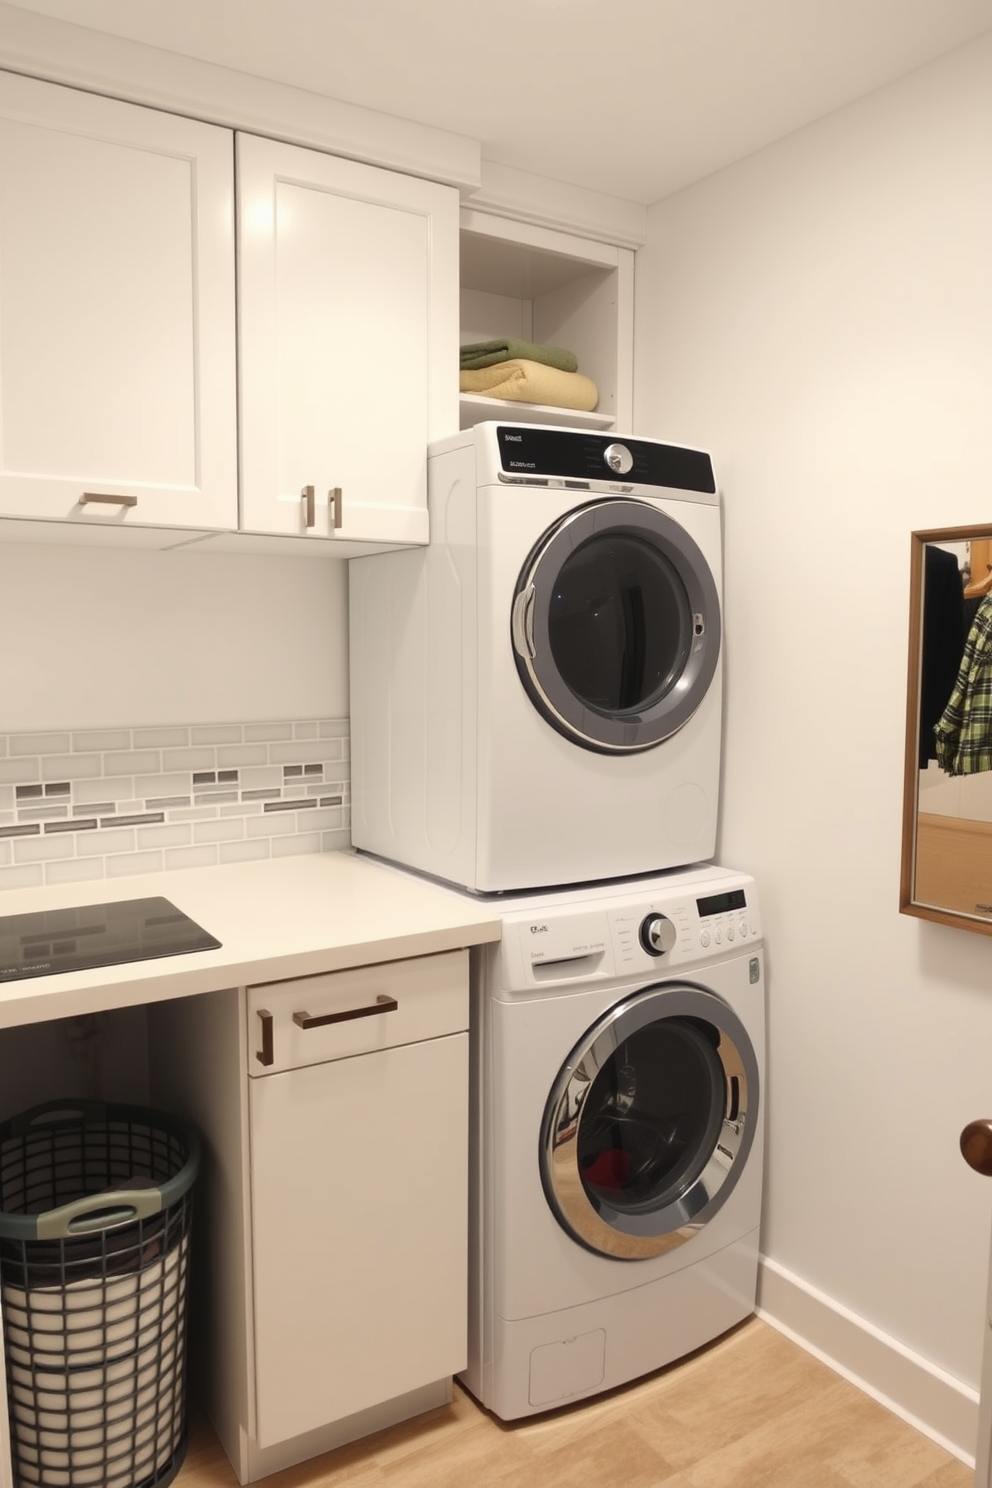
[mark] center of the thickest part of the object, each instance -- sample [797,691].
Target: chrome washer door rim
[623,731]
[646,1232]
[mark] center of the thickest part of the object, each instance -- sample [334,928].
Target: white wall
[820,317]
[106,637]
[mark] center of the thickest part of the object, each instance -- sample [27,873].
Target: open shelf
[474,408]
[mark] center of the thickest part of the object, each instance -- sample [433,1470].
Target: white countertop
[275,919]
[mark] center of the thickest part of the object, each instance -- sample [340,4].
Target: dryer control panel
[603,934]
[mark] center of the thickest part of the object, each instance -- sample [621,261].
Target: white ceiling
[634,98]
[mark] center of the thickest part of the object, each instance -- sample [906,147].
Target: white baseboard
[905,1382]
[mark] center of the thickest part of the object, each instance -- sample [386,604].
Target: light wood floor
[751,1411]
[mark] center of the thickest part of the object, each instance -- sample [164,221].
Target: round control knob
[619,458]
[658,934]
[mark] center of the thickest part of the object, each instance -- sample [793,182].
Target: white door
[117,336]
[348,300]
[359,1218]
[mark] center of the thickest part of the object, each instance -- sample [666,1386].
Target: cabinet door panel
[348,306]
[359,1222]
[116,310]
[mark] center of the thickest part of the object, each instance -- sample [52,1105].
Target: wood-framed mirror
[947,799]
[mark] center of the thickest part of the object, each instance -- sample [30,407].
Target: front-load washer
[536,696]
[618,1041]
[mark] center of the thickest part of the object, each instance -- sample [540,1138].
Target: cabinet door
[117,337]
[348,301]
[359,1224]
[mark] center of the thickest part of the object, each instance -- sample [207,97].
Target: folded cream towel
[523,381]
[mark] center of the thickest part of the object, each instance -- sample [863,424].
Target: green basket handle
[98,1212]
[50,1113]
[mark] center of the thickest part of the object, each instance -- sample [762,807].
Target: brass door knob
[976,1146]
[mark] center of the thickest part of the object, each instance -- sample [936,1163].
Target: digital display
[722,903]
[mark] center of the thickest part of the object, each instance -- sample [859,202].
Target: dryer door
[616,626]
[650,1122]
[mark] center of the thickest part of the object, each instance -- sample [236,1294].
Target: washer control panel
[561,941]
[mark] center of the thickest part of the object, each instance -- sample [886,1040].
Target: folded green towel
[488,353]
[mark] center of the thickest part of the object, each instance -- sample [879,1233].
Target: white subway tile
[74,870]
[160,738]
[189,759]
[264,733]
[114,841]
[5,854]
[310,729]
[71,766]
[86,791]
[191,857]
[22,744]
[193,813]
[240,852]
[22,878]
[41,849]
[300,842]
[335,841]
[334,728]
[272,824]
[235,756]
[128,863]
[227,733]
[19,771]
[133,762]
[97,740]
[164,836]
[232,830]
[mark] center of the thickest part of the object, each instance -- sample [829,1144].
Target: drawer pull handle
[265,1055]
[334,499]
[307,496]
[382,1004]
[91,496]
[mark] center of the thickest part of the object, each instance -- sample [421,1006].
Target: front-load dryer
[618,1046]
[536,696]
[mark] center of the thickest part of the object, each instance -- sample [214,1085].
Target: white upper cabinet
[348,304]
[117,333]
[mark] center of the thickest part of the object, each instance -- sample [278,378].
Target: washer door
[616,626]
[650,1121]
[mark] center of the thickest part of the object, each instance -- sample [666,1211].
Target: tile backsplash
[85,804]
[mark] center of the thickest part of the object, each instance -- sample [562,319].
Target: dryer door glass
[616,626]
[649,1123]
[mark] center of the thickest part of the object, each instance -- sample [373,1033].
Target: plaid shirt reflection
[964,731]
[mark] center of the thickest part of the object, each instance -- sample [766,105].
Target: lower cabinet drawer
[335,1016]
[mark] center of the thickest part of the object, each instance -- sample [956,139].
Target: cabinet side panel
[196,1059]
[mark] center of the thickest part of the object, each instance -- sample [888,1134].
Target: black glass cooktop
[56,940]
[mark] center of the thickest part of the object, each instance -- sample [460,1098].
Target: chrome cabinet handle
[306,495]
[976,1146]
[265,1055]
[334,497]
[382,1004]
[89,497]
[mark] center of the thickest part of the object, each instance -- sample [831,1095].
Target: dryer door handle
[522,623]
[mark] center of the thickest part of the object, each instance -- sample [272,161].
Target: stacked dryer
[536,696]
[536,714]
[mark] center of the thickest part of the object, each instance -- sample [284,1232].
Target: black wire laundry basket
[95,1211]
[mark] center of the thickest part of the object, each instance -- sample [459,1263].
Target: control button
[704,939]
[618,458]
[730,932]
[718,936]
[658,934]
[743,929]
